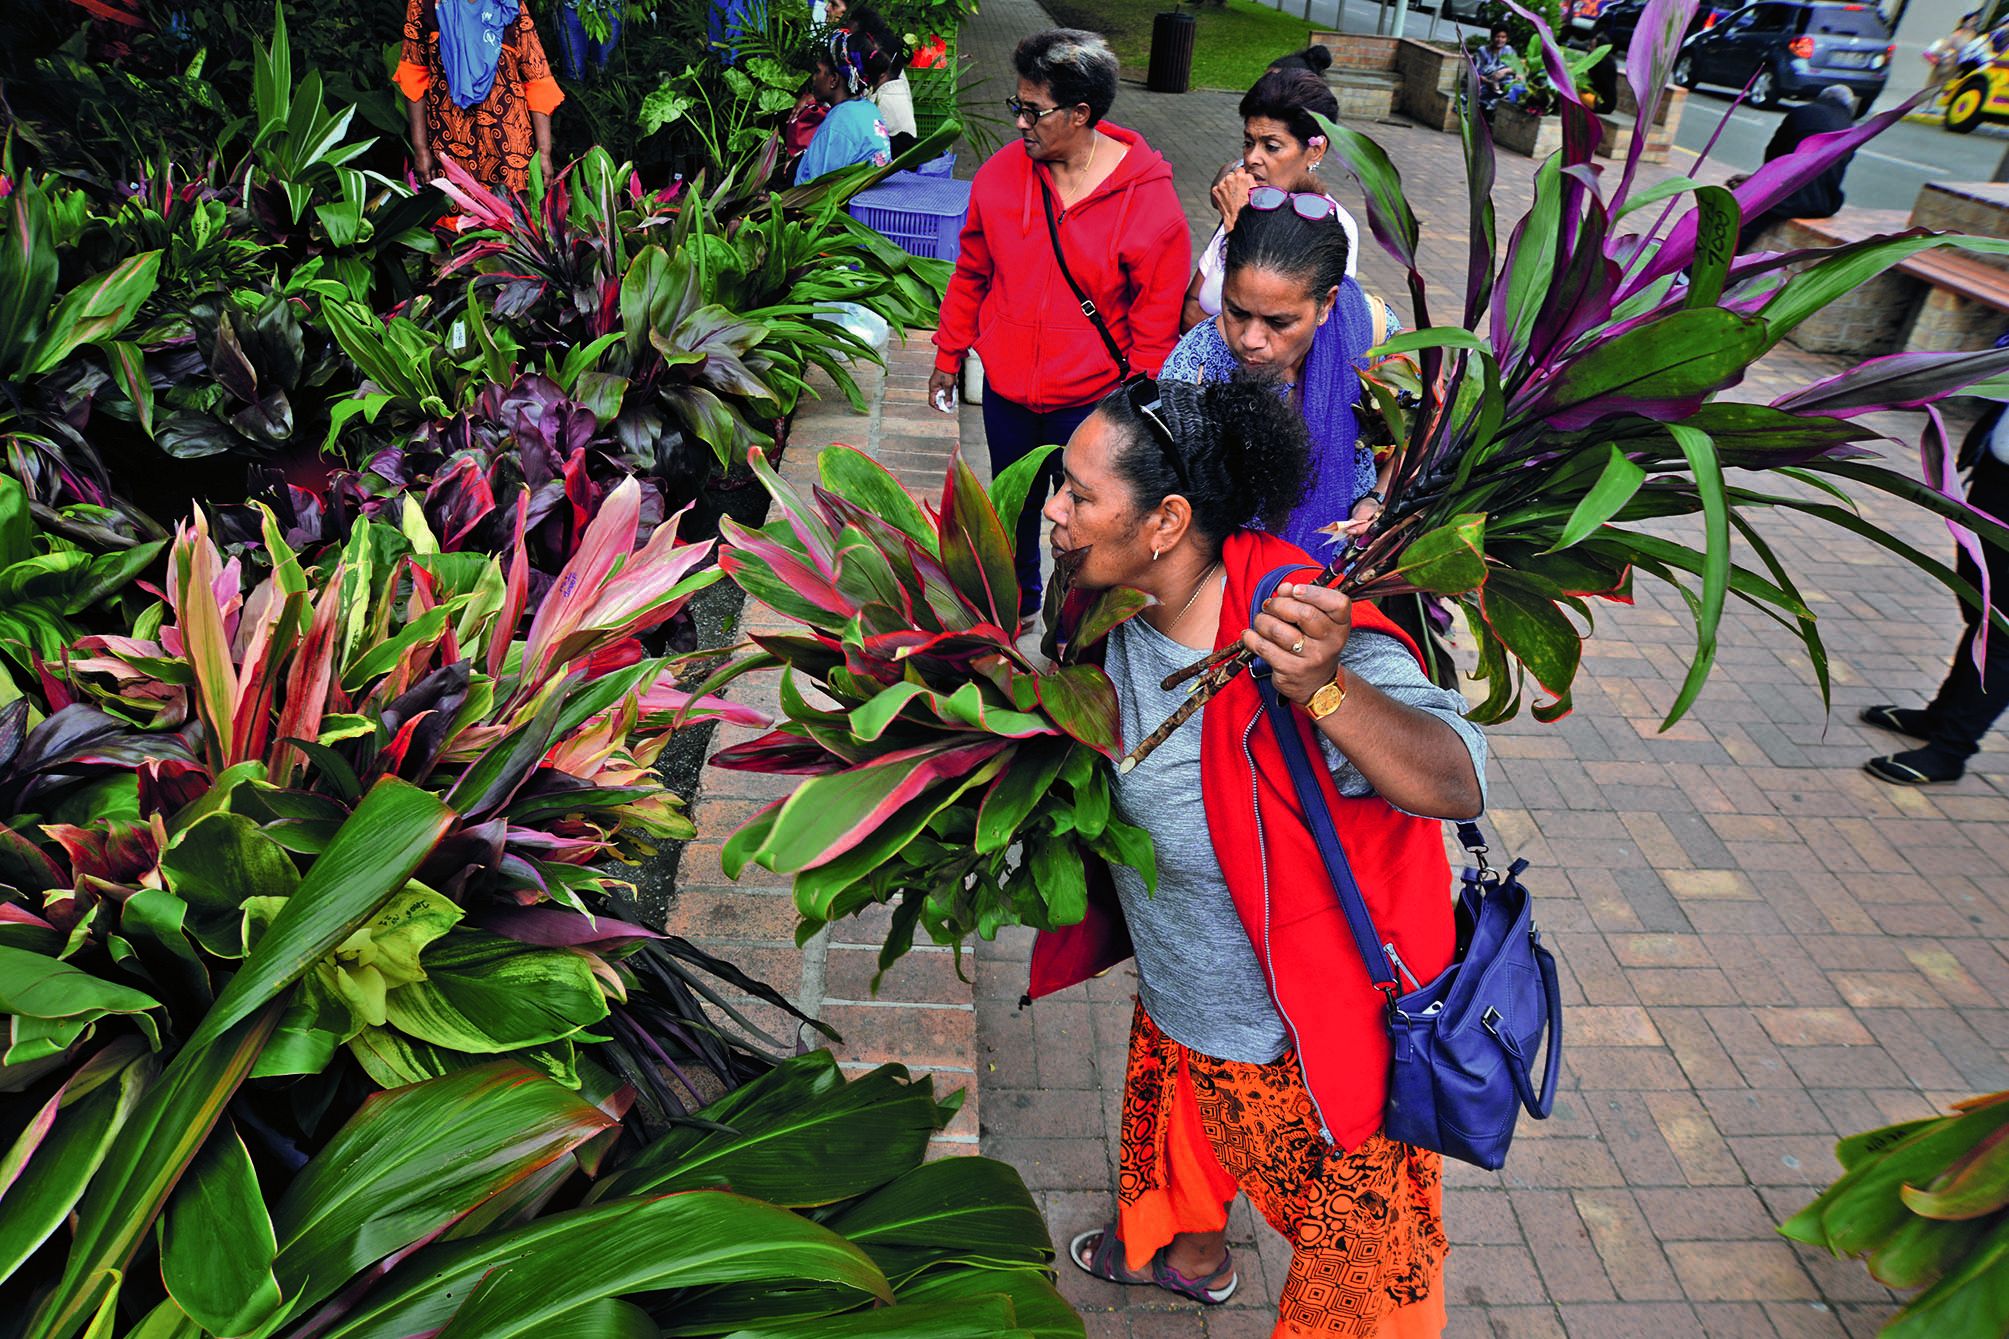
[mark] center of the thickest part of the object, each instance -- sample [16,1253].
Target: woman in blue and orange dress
[480,89]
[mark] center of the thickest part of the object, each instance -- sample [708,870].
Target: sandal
[1908,721]
[1172,1281]
[1919,767]
[1101,1262]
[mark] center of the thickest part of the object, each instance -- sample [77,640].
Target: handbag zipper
[1269,965]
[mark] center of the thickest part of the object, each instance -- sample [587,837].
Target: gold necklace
[1198,586]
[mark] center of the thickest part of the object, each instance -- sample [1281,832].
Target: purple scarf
[1342,470]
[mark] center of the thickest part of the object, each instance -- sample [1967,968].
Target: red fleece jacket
[1127,246]
[1333,1013]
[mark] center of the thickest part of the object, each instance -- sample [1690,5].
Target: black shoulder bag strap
[1087,305]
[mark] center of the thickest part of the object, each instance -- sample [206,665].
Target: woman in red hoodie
[1118,220]
[1258,1055]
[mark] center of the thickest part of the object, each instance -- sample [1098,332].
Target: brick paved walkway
[922,1016]
[1762,947]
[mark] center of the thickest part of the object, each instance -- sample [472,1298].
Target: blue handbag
[1461,1070]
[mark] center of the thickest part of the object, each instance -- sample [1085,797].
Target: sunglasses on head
[1147,404]
[1307,205]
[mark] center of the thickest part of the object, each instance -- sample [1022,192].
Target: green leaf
[957,1210]
[44,1180]
[799,1136]
[1523,614]
[1010,489]
[1062,882]
[1701,453]
[1716,223]
[148,1155]
[214,864]
[976,548]
[42,989]
[510,1283]
[1017,792]
[216,1242]
[1615,485]
[96,309]
[394,827]
[485,994]
[1037,1306]
[1449,560]
[413,1161]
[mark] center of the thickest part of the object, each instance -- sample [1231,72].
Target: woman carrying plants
[848,67]
[1281,146]
[1291,315]
[1258,1054]
[479,88]
[1073,261]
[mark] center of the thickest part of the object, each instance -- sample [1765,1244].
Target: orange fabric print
[491,139]
[1366,1226]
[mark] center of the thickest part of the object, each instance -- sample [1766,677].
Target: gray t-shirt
[1198,977]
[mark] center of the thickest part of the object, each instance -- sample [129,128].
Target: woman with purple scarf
[1290,313]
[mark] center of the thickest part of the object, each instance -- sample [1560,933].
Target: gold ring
[1297,647]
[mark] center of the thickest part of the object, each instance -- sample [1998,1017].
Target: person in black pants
[1971,699]
[1832,109]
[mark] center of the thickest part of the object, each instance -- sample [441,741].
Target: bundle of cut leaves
[1926,1203]
[947,771]
[1595,402]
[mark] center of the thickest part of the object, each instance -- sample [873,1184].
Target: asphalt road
[1887,172]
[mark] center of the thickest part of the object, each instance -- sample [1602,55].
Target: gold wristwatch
[1327,699]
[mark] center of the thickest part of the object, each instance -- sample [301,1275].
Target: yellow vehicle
[1976,95]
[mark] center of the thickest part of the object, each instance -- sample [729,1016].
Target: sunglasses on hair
[1147,404]
[1307,205]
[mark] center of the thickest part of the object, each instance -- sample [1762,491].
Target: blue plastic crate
[923,216]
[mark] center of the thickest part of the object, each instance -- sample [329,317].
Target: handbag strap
[1081,296]
[1317,816]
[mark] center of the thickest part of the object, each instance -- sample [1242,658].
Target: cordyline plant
[178,1163]
[1926,1203]
[1595,401]
[396,659]
[948,772]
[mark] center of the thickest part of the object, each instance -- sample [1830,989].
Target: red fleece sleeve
[957,329]
[1160,265]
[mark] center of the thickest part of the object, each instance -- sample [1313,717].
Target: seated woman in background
[1281,146]
[848,68]
[895,96]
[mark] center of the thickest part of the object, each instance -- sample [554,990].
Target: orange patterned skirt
[1366,1227]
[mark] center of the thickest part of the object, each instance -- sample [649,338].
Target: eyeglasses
[1021,110]
[1147,404]
[1307,205]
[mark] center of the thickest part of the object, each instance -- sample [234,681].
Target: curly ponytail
[1242,454]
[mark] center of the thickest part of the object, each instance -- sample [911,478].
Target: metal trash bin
[1172,37]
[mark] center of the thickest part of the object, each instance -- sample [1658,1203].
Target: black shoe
[1898,720]
[1919,767]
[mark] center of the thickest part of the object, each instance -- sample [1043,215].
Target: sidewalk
[1762,947]
[922,1016]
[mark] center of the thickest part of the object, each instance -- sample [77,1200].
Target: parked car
[1791,49]
[1617,19]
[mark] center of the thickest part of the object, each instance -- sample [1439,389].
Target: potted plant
[1524,121]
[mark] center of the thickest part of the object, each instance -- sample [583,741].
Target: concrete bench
[1938,301]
